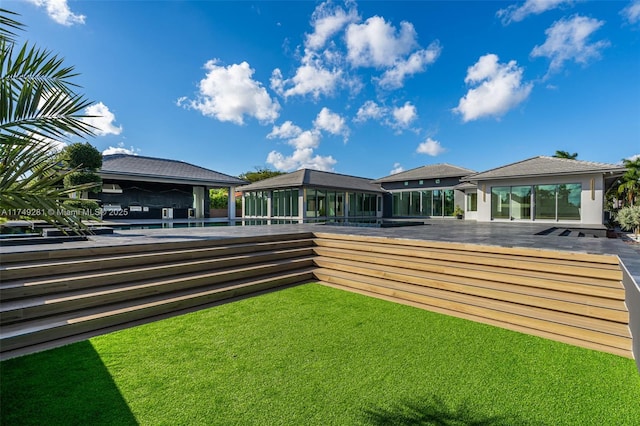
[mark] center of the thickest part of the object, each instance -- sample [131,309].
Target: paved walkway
[493,234]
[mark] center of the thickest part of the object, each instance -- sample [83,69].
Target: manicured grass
[315,355]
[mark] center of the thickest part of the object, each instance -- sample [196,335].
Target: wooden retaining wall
[569,297]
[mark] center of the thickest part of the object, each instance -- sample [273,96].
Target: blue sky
[361,88]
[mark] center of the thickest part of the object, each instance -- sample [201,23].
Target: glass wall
[332,204]
[284,203]
[550,202]
[363,204]
[558,202]
[500,202]
[521,202]
[436,202]
[255,203]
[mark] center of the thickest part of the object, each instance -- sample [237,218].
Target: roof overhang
[608,174]
[138,177]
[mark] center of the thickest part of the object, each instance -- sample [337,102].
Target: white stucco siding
[591,200]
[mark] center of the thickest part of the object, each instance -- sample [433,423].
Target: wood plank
[478,259]
[514,251]
[39,286]
[627,353]
[607,339]
[612,310]
[439,266]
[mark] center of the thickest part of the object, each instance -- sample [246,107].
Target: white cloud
[59,11]
[397,118]
[120,149]
[515,13]
[331,122]
[370,110]
[430,147]
[301,159]
[102,121]
[394,77]
[404,115]
[567,40]
[632,12]
[397,168]
[327,21]
[310,78]
[499,88]
[376,43]
[229,93]
[286,131]
[309,139]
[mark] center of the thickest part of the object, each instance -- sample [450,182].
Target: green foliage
[629,218]
[39,109]
[629,186]
[219,198]
[85,209]
[349,360]
[259,174]
[566,154]
[82,156]
[74,179]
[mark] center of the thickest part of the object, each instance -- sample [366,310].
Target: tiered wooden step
[570,297]
[52,295]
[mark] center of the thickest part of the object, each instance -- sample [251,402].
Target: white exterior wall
[592,197]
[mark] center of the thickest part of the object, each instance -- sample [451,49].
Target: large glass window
[437,203]
[401,201]
[255,203]
[449,202]
[521,202]
[472,202]
[414,209]
[500,202]
[426,203]
[312,206]
[569,201]
[558,202]
[284,203]
[545,201]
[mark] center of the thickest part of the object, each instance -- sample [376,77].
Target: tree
[566,154]
[629,186]
[85,160]
[39,110]
[259,174]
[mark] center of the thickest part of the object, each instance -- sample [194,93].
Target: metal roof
[315,179]
[432,171]
[139,168]
[545,166]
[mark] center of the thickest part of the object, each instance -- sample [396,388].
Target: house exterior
[431,191]
[137,187]
[308,196]
[545,189]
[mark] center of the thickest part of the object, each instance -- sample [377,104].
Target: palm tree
[630,182]
[566,154]
[39,110]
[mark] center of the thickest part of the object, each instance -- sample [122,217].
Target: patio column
[232,205]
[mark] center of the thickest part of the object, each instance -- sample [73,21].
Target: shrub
[629,218]
[85,209]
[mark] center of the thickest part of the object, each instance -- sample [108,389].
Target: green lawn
[315,355]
